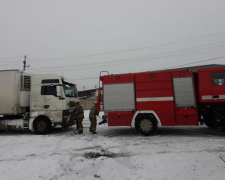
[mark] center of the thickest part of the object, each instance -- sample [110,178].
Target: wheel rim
[146,125]
[42,126]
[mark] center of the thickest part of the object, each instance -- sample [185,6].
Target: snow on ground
[117,153]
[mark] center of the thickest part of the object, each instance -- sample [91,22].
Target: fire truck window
[48,90]
[218,78]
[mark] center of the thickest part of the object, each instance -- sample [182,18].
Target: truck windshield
[70,90]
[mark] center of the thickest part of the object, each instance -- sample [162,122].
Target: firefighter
[79,114]
[92,116]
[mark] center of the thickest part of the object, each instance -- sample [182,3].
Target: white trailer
[42,100]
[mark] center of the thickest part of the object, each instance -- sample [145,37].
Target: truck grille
[71,104]
[25,83]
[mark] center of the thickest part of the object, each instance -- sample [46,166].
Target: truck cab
[211,95]
[51,102]
[37,102]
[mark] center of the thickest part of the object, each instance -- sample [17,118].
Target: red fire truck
[177,97]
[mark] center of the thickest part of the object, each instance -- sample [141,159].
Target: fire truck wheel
[146,125]
[210,124]
[209,120]
[42,125]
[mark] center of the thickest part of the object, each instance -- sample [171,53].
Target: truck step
[26,124]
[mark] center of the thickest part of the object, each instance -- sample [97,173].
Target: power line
[132,59]
[36,64]
[168,67]
[134,49]
[194,62]
[9,64]
[11,57]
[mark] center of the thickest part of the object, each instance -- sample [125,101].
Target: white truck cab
[44,101]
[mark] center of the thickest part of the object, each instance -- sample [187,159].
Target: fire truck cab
[178,97]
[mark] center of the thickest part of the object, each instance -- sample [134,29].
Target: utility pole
[24,63]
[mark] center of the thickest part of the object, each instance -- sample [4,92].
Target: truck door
[185,103]
[218,86]
[52,103]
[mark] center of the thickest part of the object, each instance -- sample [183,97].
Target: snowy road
[175,153]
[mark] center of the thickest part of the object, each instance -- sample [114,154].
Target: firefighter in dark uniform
[92,116]
[79,114]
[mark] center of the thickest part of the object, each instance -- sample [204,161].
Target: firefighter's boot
[80,131]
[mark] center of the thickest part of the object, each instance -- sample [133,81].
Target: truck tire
[146,125]
[42,125]
[210,124]
[209,119]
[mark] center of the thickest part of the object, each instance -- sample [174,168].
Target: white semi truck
[35,102]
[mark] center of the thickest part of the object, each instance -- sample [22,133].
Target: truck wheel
[146,125]
[210,124]
[209,119]
[42,125]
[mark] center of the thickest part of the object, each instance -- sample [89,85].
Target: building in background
[193,68]
[87,98]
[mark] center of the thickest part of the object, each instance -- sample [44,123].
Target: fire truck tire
[209,119]
[42,125]
[210,124]
[146,125]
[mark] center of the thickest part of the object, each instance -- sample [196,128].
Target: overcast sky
[80,38]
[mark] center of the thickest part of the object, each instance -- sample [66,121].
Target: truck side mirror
[58,91]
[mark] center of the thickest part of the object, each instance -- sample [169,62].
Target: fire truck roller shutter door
[119,97]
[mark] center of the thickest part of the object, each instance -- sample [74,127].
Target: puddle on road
[94,155]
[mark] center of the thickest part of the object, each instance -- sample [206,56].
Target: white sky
[80,38]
